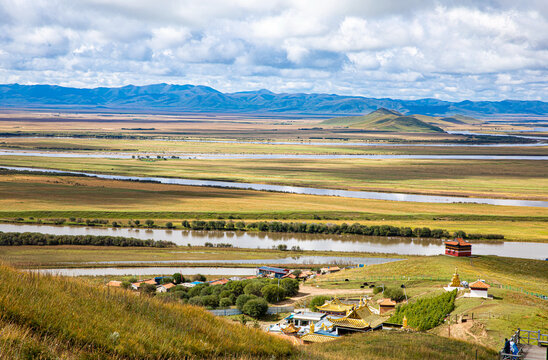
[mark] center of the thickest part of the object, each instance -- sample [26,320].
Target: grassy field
[103,323]
[46,196]
[474,178]
[158,146]
[398,345]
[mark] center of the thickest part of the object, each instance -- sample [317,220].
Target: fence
[536,337]
[455,319]
[271,310]
[429,278]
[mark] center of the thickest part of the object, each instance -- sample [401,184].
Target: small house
[330,269]
[219,282]
[305,318]
[270,271]
[479,289]
[458,247]
[165,287]
[386,305]
[114,283]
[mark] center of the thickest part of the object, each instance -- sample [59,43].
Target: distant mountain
[205,99]
[385,120]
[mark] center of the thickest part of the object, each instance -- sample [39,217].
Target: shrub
[318,301]
[255,308]
[242,300]
[273,293]
[377,289]
[198,277]
[147,289]
[291,286]
[254,288]
[225,294]
[225,302]
[395,294]
[169,225]
[211,301]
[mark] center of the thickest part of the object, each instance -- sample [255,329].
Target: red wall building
[458,247]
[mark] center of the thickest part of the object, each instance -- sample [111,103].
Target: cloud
[408,48]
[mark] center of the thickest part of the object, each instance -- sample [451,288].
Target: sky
[406,49]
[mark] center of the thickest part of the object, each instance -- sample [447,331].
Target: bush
[147,289]
[225,302]
[395,294]
[377,289]
[225,294]
[211,301]
[255,308]
[291,286]
[198,277]
[178,278]
[242,300]
[169,225]
[254,288]
[273,293]
[318,301]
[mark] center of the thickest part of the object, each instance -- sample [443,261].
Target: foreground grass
[46,196]
[88,318]
[398,345]
[470,178]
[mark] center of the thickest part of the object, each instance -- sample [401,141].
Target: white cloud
[407,48]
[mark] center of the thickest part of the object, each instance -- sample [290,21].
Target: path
[533,352]
[306,290]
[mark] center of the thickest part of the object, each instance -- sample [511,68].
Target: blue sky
[452,50]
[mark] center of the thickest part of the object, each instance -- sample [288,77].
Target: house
[330,269]
[350,323]
[192,284]
[479,289]
[305,274]
[304,318]
[235,278]
[458,247]
[249,277]
[386,305]
[114,283]
[335,307]
[289,276]
[137,285]
[277,273]
[165,287]
[219,282]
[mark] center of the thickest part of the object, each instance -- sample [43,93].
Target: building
[335,307]
[479,289]
[386,305]
[458,247]
[305,318]
[165,287]
[114,283]
[350,323]
[192,284]
[219,282]
[277,273]
[330,269]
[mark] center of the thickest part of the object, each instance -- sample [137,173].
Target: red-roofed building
[479,289]
[458,247]
[219,282]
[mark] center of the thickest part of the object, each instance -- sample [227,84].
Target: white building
[479,289]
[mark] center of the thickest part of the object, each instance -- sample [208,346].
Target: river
[318,242]
[298,190]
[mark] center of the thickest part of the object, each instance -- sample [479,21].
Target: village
[290,303]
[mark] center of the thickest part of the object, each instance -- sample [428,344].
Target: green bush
[254,288]
[426,313]
[395,294]
[377,289]
[273,293]
[225,302]
[255,308]
[242,300]
[318,301]
[291,286]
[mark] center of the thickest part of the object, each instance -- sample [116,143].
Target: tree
[242,300]
[169,225]
[148,289]
[149,223]
[125,285]
[198,277]
[318,301]
[253,288]
[395,294]
[255,308]
[178,278]
[225,302]
[273,293]
[291,286]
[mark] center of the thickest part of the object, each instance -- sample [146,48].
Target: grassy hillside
[67,317]
[398,345]
[385,120]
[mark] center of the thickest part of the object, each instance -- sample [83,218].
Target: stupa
[455,282]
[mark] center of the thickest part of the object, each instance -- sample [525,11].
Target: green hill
[48,317]
[385,120]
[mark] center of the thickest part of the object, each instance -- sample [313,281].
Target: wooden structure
[458,247]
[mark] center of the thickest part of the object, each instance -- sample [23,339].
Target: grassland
[46,196]
[96,322]
[473,178]
[398,345]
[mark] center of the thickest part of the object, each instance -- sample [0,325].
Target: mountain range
[199,98]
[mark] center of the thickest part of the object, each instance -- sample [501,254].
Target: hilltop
[199,98]
[385,120]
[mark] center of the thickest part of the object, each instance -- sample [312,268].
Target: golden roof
[335,305]
[352,320]
[290,329]
[317,338]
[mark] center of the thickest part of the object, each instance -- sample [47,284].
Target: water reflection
[318,242]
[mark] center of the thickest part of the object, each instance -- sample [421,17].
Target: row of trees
[250,296]
[322,228]
[31,238]
[426,313]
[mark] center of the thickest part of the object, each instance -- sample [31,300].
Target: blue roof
[326,333]
[197,282]
[273,269]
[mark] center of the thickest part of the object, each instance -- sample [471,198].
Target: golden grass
[88,317]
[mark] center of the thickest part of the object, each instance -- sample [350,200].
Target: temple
[335,307]
[352,322]
[458,247]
